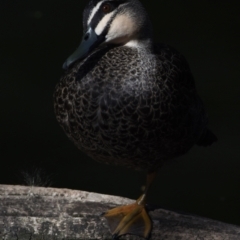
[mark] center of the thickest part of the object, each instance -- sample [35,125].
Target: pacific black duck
[125,100]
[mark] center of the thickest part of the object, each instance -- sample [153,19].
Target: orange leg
[133,218]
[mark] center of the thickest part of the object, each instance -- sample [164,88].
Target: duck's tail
[207,138]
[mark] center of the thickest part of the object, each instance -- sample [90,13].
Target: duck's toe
[129,219]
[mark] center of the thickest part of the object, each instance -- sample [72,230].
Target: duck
[128,101]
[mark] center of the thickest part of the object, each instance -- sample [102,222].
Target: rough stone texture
[48,213]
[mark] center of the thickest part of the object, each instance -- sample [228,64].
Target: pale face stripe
[103,23]
[94,11]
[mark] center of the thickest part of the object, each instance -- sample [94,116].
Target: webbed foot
[129,219]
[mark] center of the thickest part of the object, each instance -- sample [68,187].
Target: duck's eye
[106,8]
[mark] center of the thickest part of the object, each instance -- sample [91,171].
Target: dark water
[36,37]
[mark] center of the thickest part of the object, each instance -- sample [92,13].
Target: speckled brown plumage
[131,107]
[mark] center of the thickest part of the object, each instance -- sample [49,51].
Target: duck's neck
[140,43]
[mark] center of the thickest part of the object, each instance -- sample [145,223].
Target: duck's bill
[89,42]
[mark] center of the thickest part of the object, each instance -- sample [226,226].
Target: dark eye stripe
[100,14]
[106,29]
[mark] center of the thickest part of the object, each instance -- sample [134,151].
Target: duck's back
[131,107]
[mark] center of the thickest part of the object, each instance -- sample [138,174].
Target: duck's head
[120,22]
